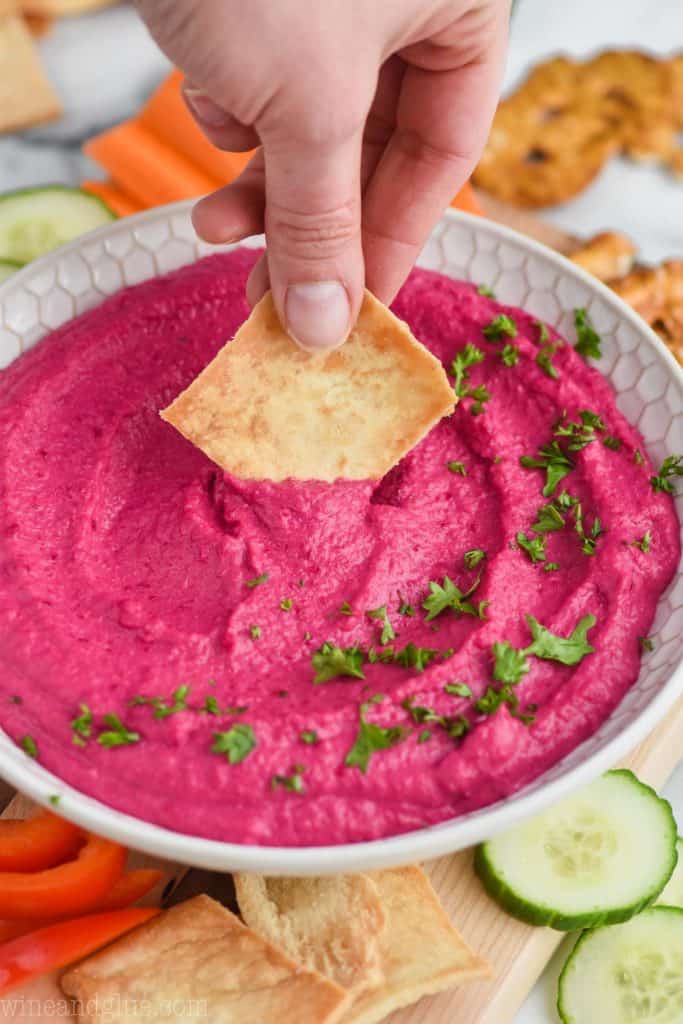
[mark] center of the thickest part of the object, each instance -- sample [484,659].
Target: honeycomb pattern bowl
[649,388]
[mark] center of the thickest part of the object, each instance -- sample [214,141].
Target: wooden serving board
[517,953]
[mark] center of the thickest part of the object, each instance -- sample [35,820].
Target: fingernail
[318,314]
[204,108]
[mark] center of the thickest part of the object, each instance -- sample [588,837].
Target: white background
[104,66]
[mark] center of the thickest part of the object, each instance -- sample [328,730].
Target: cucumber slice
[597,858]
[628,974]
[7,268]
[672,895]
[34,221]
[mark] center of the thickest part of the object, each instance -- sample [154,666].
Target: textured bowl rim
[455,834]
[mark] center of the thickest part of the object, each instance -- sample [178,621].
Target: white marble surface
[105,65]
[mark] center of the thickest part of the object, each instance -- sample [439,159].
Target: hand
[369,115]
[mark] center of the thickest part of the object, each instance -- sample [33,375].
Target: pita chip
[331,925]
[264,409]
[26,96]
[198,962]
[421,951]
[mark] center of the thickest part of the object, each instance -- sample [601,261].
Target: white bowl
[649,388]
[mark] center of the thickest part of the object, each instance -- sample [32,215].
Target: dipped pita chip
[421,951]
[199,962]
[266,410]
[26,96]
[332,925]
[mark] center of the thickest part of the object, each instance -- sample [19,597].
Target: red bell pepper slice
[37,843]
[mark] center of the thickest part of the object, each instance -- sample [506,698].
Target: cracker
[331,925]
[605,256]
[26,96]
[264,409]
[656,294]
[198,962]
[422,953]
[552,136]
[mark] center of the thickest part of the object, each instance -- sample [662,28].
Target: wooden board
[517,953]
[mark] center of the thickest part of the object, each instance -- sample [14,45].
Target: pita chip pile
[344,950]
[26,96]
[264,409]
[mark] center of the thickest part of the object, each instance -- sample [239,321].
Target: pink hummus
[126,560]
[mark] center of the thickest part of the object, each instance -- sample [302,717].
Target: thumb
[313,232]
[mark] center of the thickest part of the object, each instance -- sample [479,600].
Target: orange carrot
[166,116]
[115,198]
[151,172]
[466,200]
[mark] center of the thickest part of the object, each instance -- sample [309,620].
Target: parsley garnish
[294,783]
[286,604]
[117,735]
[456,726]
[582,433]
[638,457]
[501,326]
[470,356]
[457,467]
[406,609]
[309,736]
[372,738]
[345,608]
[481,395]
[458,689]
[474,557]
[255,632]
[82,725]
[257,581]
[330,662]
[387,629]
[54,799]
[237,743]
[425,735]
[567,650]
[646,643]
[509,664]
[543,332]
[548,519]
[588,340]
[485,290]
[644,543]
[211,706]
[588,541]
[509,355]
[551,567]
[544,359]
[29,746]
[165,706]
[449,595]
[613,443]
[554,461]
[534,546]
[415,657]
[672,466]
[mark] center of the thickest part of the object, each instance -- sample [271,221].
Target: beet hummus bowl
[303,677]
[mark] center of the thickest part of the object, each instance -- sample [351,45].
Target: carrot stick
[166,116]
[151,172]
[116,199]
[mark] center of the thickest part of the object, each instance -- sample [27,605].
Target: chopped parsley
[458,689]
[54,799]
[567,650]
[310,737]
[501,326]
[82,725]
[415,657]
[644,543]
[345,608]
[509,355]
[211,706]
[330,662]
[29,746]
[548,519]
[456,726]
[544,359]
[474,557]
[638,457]
[543,332]
[533,546]
[588,540]
[117,735]
[580,433]
[286,604]
[255,632]
[481,396]
[468,357]
[486,291]
[551,567]
[509,664]
[237,743]
[165,706]
[449,595]
[456,467]
[613,443]
[646,643]
[588,340]
[294,782]
[382,614]
[406,609]
[554,461]
[372,738]
[425,735]
[257,581]
[672,466]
